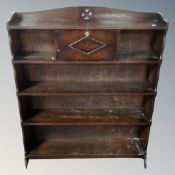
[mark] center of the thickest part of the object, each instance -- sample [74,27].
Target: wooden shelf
[87,147]
[35,55]
[76,87]
[147,25]
[87,117]
[124,58]
[42,61]
[142,56]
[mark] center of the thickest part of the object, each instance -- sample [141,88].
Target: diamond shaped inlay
[87,45]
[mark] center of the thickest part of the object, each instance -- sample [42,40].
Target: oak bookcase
[86,80]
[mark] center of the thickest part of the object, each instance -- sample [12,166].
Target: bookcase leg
[145,161]
[26,162]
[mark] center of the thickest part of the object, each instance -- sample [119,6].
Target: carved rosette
[87,14]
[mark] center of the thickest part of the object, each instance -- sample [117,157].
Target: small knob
[87,33]
[53,58]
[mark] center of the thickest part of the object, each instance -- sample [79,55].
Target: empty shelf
[77,87]
[142,56]
[87,147]
[87,117]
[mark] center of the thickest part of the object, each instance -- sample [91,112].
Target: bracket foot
[145,162]
[26,162]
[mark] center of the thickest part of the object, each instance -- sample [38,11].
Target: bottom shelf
[87,148]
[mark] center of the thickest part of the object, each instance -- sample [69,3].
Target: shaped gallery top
[87,18]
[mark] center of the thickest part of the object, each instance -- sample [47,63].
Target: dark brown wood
[95,46]
[102,18]
[76,87]
[91,148]
[87,117]
[38,60]
[86,80]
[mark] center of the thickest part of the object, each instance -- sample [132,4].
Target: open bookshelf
[86,80]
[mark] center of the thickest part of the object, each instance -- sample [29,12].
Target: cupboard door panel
[89,45]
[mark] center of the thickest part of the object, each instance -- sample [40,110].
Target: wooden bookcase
[86,80]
